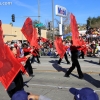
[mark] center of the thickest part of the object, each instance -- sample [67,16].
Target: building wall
[9,30]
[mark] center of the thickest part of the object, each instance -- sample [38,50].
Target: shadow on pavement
[56,61]
[59,68]
[53,61]
[74,75]
[90,61]
[91,80]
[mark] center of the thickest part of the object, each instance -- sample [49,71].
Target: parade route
[49,78]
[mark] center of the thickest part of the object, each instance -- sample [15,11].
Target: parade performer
[75,63]
[75,46]
[83,48]
[35,54]
[10,68]
[28,65]
[61,49]
[18,80]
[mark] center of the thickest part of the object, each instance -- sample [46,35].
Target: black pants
[76,64]
[18,80]
[81,55]
[29,67]
[66,58]
[37,59]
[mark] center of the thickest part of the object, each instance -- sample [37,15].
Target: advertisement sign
[60,11]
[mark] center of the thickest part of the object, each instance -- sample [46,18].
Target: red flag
[43,39]
[27,29]
[83,44]
[74,29]
[60,47]
[9,66]
[34,40]
[29,32]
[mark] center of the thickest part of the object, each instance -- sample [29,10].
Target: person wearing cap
[23,95]
[84,94]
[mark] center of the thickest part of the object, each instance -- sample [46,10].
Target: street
[49,78]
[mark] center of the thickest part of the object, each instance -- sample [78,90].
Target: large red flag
[9,66]
[29,32]
[74,29]
[59,46]
[34,40]
[27,29]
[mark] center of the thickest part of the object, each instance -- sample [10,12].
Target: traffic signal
[13,17]
[39,30]
[48,25]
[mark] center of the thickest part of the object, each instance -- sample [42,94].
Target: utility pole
[39,28]
[39,11]
[53,19]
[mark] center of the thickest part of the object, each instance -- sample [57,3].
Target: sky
[82,9]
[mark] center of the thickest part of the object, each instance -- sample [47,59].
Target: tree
[94,21]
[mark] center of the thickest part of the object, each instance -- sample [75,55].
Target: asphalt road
[49,78]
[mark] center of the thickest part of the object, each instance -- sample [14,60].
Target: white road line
[52,86]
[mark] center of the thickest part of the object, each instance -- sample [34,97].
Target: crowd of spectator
[91,38]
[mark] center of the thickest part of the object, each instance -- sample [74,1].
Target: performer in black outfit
[66,58]
[28,64]
[81,55]
[35,54]
[75,63]
[18,84]
[65,55]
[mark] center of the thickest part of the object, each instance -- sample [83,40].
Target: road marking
[66,70]
[53,86]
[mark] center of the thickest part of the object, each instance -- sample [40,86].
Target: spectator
[93,46]
[98,51]
[84,94]
[22,95]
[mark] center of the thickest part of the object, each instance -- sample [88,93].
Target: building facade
[14,33]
